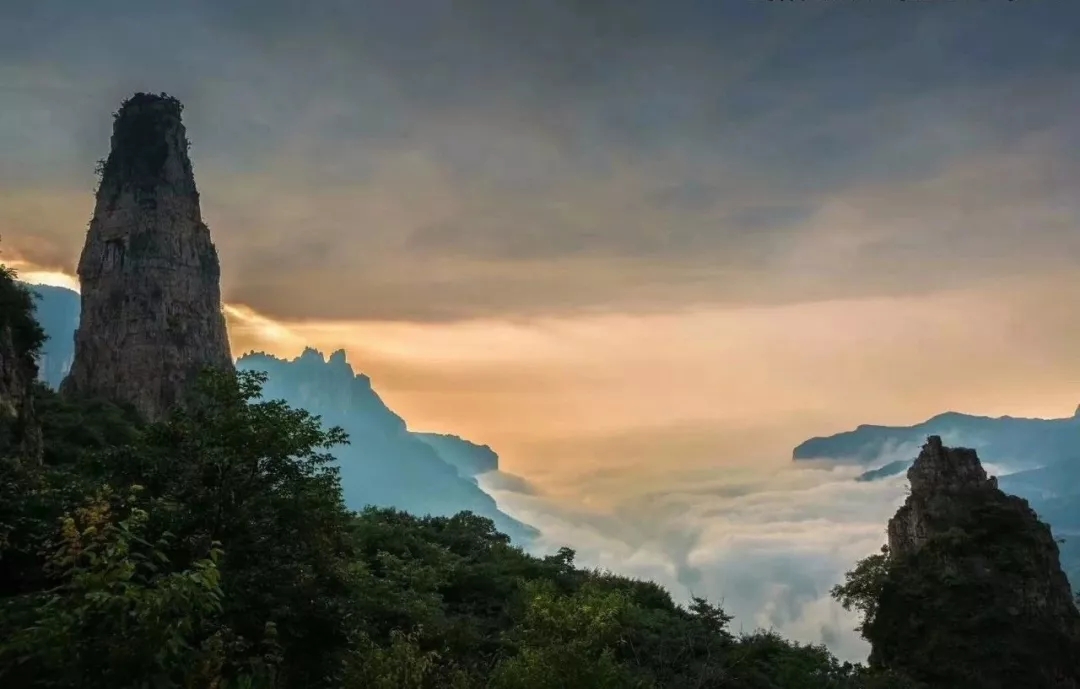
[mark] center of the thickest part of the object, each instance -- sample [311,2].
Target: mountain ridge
[1002,439]
[385,464]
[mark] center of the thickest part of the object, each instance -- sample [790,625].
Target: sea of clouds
[767,544]
[768,540]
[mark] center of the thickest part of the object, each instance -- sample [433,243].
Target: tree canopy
[213,550]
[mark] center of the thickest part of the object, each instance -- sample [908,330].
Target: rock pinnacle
[974,596]
[151,300]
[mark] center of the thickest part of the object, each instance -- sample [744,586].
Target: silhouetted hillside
[469,458]
[384,464]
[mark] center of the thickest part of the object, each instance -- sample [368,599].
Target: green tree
[862,586]
[119,615]
[212,550]
[568,641]
[254,476]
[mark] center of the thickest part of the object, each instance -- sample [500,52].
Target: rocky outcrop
[151,301]
[1037,459]
[943,481]
[975,595]
[469,458]
[17,375]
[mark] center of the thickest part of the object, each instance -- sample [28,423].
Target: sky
[641,247]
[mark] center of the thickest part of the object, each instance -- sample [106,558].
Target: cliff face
[20,341]
[943,480]
[384,463]
[18,371]
[976,596]
[151,301]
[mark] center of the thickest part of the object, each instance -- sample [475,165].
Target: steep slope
[384,464]
[467,457]
[149,273]
[1054,493]
[974,595]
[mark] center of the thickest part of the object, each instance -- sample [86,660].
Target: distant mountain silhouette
[467,457]
[890,469]
[1014,442]
[385,464]
[58,313]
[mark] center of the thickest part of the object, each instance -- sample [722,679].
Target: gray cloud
[437,160]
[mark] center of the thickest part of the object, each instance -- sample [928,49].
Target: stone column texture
[150,278]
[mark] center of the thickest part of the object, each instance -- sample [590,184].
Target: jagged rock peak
[311,359]
[939,476]
[149,272]
[338,359]
[947,469]
[313,355]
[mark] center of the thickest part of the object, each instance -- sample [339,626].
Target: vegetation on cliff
[21,337]
[972,597]
[212,549]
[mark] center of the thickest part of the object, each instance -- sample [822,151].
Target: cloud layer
[768,544]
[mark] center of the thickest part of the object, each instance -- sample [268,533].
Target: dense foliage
[213,550]
[949,613]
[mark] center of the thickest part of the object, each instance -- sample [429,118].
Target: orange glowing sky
[566,399]
[738,228]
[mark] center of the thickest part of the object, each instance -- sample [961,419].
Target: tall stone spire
[151,300]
